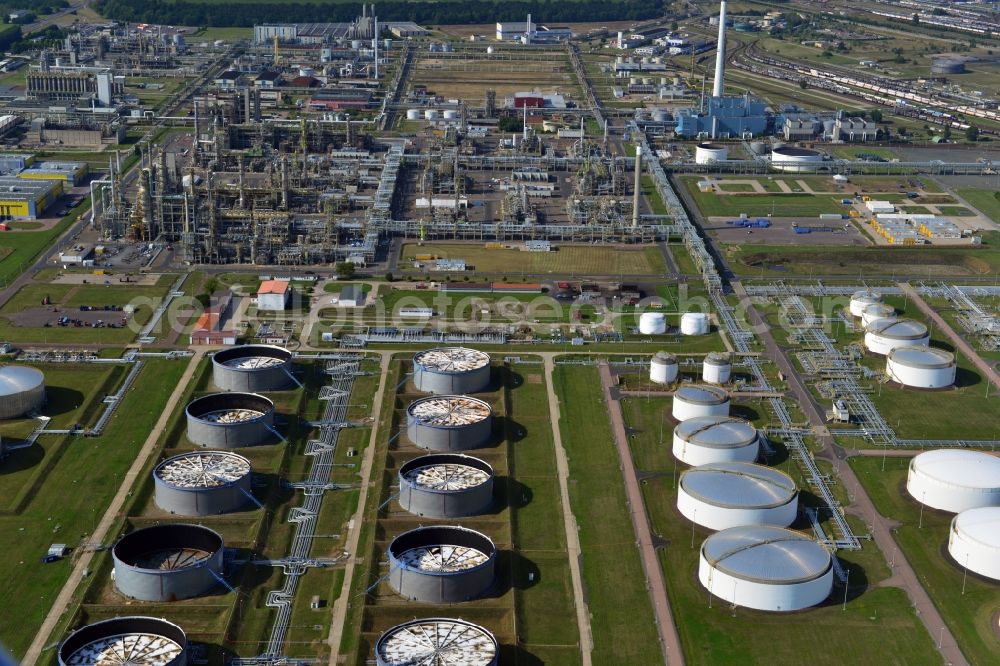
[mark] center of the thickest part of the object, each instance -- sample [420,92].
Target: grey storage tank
[252,368]
[451,370]
[440,565]
[230,420]
[167,562]
[449,422]
[437,641]
[446,485]
[947,66]
[22,390]
[203,483]
[135,640]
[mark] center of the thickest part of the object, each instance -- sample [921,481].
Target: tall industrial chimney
[637,187]
[720,56]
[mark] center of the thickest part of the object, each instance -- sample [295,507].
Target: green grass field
[566,260]
[969,615]
[794,204]
[985,200]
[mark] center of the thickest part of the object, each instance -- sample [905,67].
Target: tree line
[246,14]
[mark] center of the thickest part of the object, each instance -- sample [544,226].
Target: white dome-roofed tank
[694,323]
[413,114]
[22,390]
[974,541]
[132,640]
[450,114]
[884,335]
[431,114]
[452,370]
[699,400]
[709,153]
[437,641]
[715,439]
[663,368]
[766,568]
[862,299]
[954,480]
[716,368]
[652,323]
[876,311]
[921,367]
[723,495]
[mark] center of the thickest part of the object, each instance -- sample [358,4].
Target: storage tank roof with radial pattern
[451,411]
[437,642]
[454,370]
[135,641]
[452,359]
[445,477]
[767,554]
[202,470]
[702,395]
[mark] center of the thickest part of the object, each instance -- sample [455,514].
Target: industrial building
[663,368]
[73,84]
[437,641]
[441,565]
[202,483]
[954,480]
[766,568]
[70,173]
[446,485]
[451,370]
[695,401]
[702,440]
[449,423]
[22,390]
[974,541]
[22,199]
[168,562]
[230,420]
[274,295]
[732,494]
[252,368]
[884,335]
[142,641]
[921,367]
[528,32]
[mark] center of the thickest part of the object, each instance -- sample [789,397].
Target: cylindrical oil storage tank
[876,311]
[795,160]
[723,495]
[861,300]
[947,66]
[694,323]
[921,367]
[715,439]
[22,390]
[143,641]
[451,370]
[437,641]
[203,483]
[709,153]
[430,114]
[449,423]
[974,541]
[716,368]
[884,335]
[167,562]
[954,480]
[766,568]
[230,420]
[652,323]
[441,564]
[446,485]
[413,114]
[450,114]
[699,400]
[252,368]
[663,368]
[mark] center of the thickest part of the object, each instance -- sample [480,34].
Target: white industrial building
[531,33]
[694,401]
[715,439]
[974,541]
[723,495]
[954,480]
[884,335]
[921,367]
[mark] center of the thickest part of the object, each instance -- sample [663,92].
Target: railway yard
[660,341]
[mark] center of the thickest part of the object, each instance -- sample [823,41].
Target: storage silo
[132,640]
[884,335]
[450,114]
[441,564]
[699,400]
[430,114]
[446,485]
[974,541]
[22,390]
[921,367]
[694,323]
[766,568]
[716,368]
[715,439]
[437,641]
[202,483]
[876,311]
[730,494]
[710,153]
[862,299]
[663,368]
[449,422]
[795,160]
[954,480]
[168,562]
[413,114]
[230,420]
[652,323]
[252,368]
[451,370]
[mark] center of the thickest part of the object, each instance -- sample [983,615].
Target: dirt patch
[935,199]
[533,379]
[851,262]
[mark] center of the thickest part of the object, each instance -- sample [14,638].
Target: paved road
[669,639]
[111,516]
[569,520]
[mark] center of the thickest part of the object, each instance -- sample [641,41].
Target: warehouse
[884,335]
[202,483]
[446,485]
[723,495]
[954,480]
[437,642]
[694,400]
[69,173]
[702,440]
[230,420]
[449,423]
[167,562]
[441,565]
[139,641]
[451,370]
[766,568]
[974,541]
[921,367]
[252,368]
[22,199]
[22,390]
